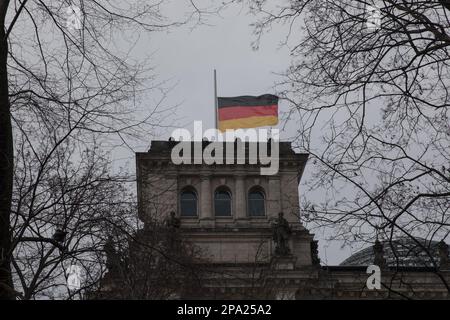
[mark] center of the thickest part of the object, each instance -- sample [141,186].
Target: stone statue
[281,233]
[378,251]
[173,222]
[315,253]
[112,256]
[443,255]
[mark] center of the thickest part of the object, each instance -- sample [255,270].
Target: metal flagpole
[215,99]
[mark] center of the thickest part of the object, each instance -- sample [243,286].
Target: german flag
[247,111]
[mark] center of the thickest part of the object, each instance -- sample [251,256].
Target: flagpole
[215,100]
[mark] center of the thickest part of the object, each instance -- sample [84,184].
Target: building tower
[229,211]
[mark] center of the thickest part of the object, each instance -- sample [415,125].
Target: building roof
[402,252]
[160,146]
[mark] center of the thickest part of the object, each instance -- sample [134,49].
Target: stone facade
[240,247]
[239,238]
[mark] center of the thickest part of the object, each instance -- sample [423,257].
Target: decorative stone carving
[315,253]
[173,222]
[378,251]
[443,256]
[281,232]
[286,262]
[112,257]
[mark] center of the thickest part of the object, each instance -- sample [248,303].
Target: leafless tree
[67,73]
[65,212]
[368,93]
[153,263]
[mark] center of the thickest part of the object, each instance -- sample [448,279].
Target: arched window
[256,203]
[188,203]
[222,202]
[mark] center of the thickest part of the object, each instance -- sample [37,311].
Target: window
[188,203]
[222,202]
[256,203]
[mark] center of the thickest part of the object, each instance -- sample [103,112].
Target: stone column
[205,198]
[273,197]
[240,196]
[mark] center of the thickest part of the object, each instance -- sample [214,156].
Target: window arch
[256,202]
[222,202]
[188,202]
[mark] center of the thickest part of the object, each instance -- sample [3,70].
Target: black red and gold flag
[247,111]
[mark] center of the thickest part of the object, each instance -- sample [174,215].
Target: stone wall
[160,183]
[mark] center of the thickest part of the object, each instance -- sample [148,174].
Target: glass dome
[404,252]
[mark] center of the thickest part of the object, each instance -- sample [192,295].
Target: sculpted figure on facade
[281,232]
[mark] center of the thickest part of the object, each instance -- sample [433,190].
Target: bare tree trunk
[6,164]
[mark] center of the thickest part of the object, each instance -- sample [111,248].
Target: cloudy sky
[188,57]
